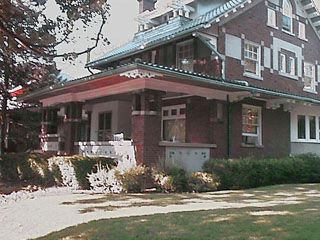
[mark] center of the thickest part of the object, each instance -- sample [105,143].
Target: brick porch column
[146,127]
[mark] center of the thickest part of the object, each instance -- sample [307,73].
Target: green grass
[299,221]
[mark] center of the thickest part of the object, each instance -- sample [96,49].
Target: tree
[29,41]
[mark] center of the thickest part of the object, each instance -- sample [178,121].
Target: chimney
[145,5]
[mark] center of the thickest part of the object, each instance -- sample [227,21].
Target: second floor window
[287,20]
[287,65]
[302,31]
[185,55]
[272,22]
[309,77]
[252,59]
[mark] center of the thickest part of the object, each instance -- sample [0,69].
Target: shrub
[250,173]
[85,165]
[134,180]
[27,167]
[203,182]
[179,179]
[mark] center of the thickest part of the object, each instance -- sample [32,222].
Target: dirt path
[45,213]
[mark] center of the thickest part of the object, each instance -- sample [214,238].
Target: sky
[119,29]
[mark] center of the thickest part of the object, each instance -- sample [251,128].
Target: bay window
[251,125]
[174,123]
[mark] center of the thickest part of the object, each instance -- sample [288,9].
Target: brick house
[200,79]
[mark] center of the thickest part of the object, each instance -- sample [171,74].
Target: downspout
[228,127]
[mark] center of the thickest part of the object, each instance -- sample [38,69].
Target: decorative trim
[191,145]
[138,73]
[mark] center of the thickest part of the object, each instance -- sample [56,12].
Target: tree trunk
[4,110]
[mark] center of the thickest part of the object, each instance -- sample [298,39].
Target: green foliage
[85,165]
[203,182]
[250,173]
[179,179]
[31,168]
[134,180]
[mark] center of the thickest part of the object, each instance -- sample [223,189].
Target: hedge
[28,167]
[85,165]
[251,173]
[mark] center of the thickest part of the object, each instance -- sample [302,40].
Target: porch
[166,116]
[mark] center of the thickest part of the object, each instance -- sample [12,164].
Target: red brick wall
[275,132]
[146,133]
[253,25]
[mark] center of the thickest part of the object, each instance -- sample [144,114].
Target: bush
[134,180]
[33,168]
[250,173]
[85,165]
[203,182]
[179,179]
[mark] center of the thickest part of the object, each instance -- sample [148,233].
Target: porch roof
[191,78]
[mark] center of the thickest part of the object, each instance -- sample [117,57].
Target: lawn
[292,213]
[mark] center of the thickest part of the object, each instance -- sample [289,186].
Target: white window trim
[289,16]
[283,63]
[270,23]
[292,60]
[172,117]
[311,89]
[294,127]
[304,36]
[259,134]
[258,70]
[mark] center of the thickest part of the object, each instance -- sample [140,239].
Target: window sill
[310,90]
[250,75]
[275,27]
[251,146]
[303,39]
[289,33]
[191,145]
[294,77]
[306,141]
[146,113]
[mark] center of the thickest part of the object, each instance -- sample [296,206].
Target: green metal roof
[235,85]
[175,28]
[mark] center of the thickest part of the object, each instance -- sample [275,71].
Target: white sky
[120,28]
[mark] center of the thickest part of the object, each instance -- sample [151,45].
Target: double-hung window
[309,77]
[252,59]
[251,125]
[272,22]
[287,18]
[185,55]
[174,123]
[302,31]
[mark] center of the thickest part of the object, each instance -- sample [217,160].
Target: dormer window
[185,55]
[287,18]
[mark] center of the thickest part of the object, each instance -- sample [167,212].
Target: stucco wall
[301,148]
[121,117]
